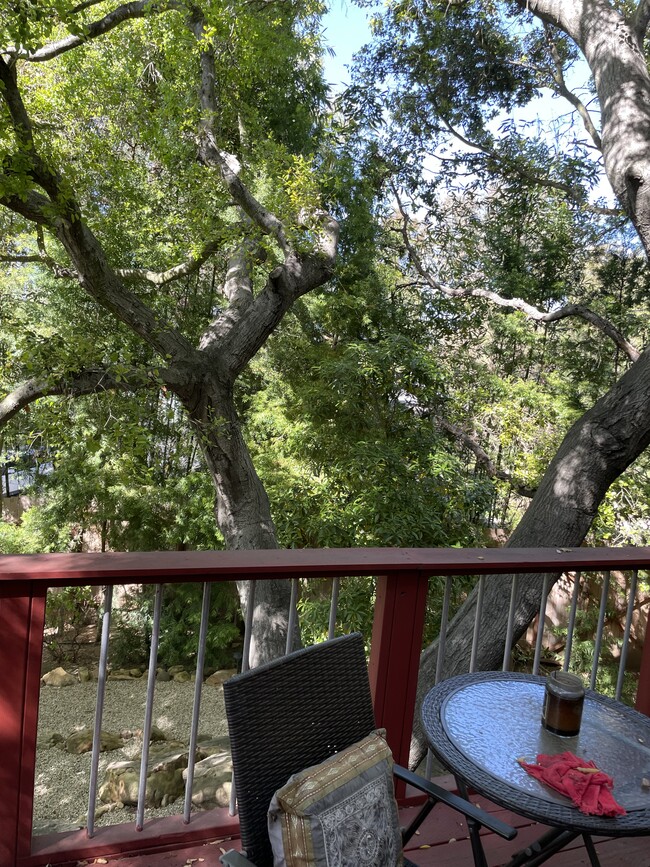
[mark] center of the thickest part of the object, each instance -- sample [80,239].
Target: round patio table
[479,724]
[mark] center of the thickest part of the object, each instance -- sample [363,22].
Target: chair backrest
[287,715]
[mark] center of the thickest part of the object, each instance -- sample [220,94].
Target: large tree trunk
[242,512]
[595,451]
[611,48]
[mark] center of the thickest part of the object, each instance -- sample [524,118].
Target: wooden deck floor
[441,842]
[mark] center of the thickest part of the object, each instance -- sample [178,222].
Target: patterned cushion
[341,813]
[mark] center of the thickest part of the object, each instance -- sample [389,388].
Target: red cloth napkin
[579,779]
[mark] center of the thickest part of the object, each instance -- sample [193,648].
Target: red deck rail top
[194,565]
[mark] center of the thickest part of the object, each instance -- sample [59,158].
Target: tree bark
[610,45]
[242,512]
[595,451]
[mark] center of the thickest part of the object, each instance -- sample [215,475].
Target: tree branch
[563,90]
[85,382]
[33,206]
[230,169]
[483,459]
[42,257]
[238,289]
[23,129]
[640,22]
[524,307]
[62,215]
[160,278]
[211,154]
[125,12]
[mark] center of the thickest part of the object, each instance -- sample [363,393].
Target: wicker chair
[296,711]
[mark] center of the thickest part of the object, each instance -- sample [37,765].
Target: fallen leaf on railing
[645,783]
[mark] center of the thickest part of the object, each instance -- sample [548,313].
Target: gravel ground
[62,780]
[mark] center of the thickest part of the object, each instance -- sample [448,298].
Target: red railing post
[21,639]
[400,609]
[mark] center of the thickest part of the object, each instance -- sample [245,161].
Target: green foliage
[179,626]
[354,611]
[69,612]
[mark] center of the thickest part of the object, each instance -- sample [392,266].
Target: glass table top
[496,721]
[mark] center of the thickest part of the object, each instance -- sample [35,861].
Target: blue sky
[346,30]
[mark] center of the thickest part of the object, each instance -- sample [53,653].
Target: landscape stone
[55,826]
[210,746]
[82,742]
[84,674]
[212,781]
[183,677]
[218,678]
[46,742]
[58,677]
[164,781]
[156,735]
[164,748]
[163,675]
[175,669]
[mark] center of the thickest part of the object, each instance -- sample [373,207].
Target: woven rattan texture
[635,822]
[287,715]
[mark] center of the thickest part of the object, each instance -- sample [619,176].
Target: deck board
[441,842]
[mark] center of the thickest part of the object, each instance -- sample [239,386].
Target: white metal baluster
[599,632]
[99,709]
[540,624]
[334,606]
[293,615]
[511,624]
[572,620]
[245,664]
[148,713]
[477,622]
[626,635]
[196,709]
[442,637]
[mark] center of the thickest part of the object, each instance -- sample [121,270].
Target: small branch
[484,459]
[640,22]
[42,257]
[563,90]
[230,169]
[577,195]
[85,382]
[125,12]
[160,278]
[20,257]
[524,307]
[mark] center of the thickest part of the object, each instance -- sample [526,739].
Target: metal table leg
[474,830]
[591,850]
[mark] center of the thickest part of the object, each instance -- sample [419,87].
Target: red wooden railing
[396,643]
